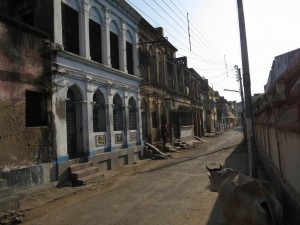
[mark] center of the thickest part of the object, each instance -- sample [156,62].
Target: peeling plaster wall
[22,64]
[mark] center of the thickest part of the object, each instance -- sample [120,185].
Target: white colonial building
[96,103]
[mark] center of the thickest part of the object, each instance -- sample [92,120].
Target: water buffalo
[244,200]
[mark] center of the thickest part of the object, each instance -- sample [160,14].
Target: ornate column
[158,130]
[139,130]
[135,54]
[90,93]
[122,46]
[105,36]
[126,131]
[109,107]
[84,41]
[57,22]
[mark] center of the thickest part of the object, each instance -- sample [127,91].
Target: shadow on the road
[237,160]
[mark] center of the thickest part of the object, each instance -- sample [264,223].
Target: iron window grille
[99,116]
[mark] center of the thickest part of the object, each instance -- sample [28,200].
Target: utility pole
[252,154]
[239,79]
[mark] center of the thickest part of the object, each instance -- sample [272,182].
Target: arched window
[70,28]
[118,113]
[132,114]
[99,117]
[95,35]
[114,45]
[129,53]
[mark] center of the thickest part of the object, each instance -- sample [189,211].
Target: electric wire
[203,45]
[198,28]
[137,8]
[80,7]
[200,44]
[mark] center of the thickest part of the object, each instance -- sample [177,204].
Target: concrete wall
[281,145]
[277,131]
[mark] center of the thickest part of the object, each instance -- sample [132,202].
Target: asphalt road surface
[160,192]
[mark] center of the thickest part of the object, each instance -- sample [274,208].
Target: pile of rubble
[11,217]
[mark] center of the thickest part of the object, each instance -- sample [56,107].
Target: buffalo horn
[220,167]
[208,168]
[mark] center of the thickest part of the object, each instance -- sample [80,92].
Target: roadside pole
[239,79]
[252,155]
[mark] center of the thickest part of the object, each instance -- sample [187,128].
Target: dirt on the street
[200,206]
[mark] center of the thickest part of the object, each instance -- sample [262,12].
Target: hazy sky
[272,28]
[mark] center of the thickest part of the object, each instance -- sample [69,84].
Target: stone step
[10,203]
[84,173]
[96,177]
[5,192]
[80,166]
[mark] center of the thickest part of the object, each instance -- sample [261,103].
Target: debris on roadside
[11,217]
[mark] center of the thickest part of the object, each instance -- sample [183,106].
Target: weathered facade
[95,103]
[25,103]
[90,81]
[277,127]
[172,104]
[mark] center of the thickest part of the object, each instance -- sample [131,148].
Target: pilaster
[90,93]
[110,120]
[139,121]
[105,42]
[122,47]
[135,54]
[84,28]
[126,131]
[57,22]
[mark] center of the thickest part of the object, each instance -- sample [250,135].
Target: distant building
[279,65]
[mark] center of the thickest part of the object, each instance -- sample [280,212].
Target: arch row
[109,119]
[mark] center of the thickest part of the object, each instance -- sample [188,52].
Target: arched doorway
[74,123]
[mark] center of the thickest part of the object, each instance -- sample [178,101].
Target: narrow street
[173,191]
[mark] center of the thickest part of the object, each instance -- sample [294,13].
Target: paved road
[173,191]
